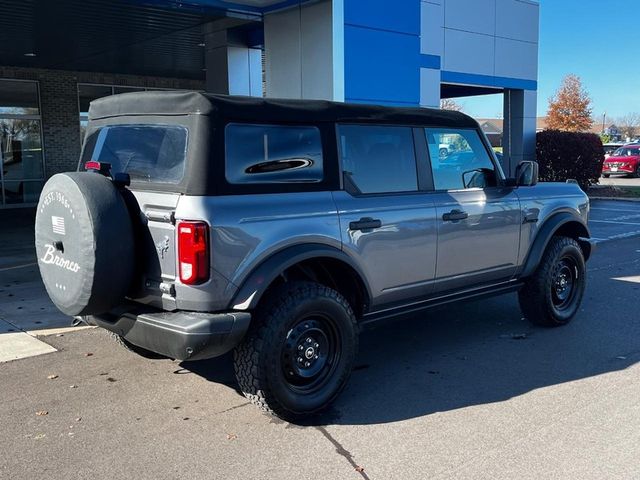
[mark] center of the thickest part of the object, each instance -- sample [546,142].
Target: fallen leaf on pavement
[39,436]
[231,436]
[359,469]
[51,377]
[41,413]
[79,419]
[88,354]
[73,386]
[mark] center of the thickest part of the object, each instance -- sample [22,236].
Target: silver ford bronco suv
[199,224]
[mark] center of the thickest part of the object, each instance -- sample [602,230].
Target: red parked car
[625,161]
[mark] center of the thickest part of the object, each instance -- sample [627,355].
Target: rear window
[262,154]
[148,153]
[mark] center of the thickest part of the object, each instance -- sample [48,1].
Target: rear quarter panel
[248,229]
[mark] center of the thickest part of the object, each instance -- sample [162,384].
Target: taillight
[193,252]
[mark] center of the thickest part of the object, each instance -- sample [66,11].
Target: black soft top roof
[224,108]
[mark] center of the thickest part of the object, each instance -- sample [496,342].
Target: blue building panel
[488,81]
[381,66]
[401,16]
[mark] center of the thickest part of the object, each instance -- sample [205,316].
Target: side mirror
[527,174]
[478,178]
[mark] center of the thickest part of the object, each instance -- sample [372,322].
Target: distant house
[492,128]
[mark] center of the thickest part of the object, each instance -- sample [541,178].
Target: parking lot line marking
[615,209]
[614,222]
[18,266]
[632,279]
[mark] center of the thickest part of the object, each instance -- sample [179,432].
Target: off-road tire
[539,300]
[260,361]
[143,352]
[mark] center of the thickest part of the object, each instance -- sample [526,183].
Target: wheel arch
[566,224]
[316,262]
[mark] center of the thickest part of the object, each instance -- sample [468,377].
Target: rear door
[478,221]
[386,223]
[154,156]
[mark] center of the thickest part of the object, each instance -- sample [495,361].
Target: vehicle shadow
[471,354]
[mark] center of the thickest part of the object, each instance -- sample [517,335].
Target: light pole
[604,119]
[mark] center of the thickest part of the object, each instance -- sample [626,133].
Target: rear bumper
[179,335]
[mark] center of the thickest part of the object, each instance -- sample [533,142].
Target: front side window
[378,159]
[459,160]
[263,154]
[148,153]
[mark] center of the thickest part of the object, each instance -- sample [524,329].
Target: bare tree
[450,104]
[629,125]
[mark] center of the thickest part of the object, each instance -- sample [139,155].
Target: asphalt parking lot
[467,391]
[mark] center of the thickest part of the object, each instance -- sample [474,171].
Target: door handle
[455,215]
[366,223]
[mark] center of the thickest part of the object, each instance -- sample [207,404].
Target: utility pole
[604,119]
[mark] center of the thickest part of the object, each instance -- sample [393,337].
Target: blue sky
[598,40]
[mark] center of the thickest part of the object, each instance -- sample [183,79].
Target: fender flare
[259,280]
[547,231]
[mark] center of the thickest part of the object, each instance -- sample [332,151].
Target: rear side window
[378,159]
[263,154]
[148,153]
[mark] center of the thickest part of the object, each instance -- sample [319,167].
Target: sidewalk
[25,308]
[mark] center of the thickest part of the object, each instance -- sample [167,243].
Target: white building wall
[303,52]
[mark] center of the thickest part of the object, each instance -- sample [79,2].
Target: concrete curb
[56,331]
[617,199]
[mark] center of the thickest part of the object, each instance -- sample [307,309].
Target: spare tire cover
[84,243]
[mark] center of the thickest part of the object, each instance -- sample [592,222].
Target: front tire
[298,355]
[606,175]
[552,295]
[636,174]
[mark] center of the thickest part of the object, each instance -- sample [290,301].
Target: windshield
[148,153]
[626,152]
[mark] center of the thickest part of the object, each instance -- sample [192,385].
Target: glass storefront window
[21,153]
[88,92]
[22,192]
[21,149]
[19,98]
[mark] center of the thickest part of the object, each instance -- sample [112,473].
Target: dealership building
[58,56]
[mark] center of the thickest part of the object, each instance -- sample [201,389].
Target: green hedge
[565,155]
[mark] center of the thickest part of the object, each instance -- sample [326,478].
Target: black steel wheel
[565,278]
[552,295]
[310,353]
[299,352]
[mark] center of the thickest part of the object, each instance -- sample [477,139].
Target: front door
[478,219]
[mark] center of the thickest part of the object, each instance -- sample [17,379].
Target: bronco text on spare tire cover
[84,243]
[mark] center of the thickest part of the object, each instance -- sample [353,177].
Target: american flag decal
[58,225]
